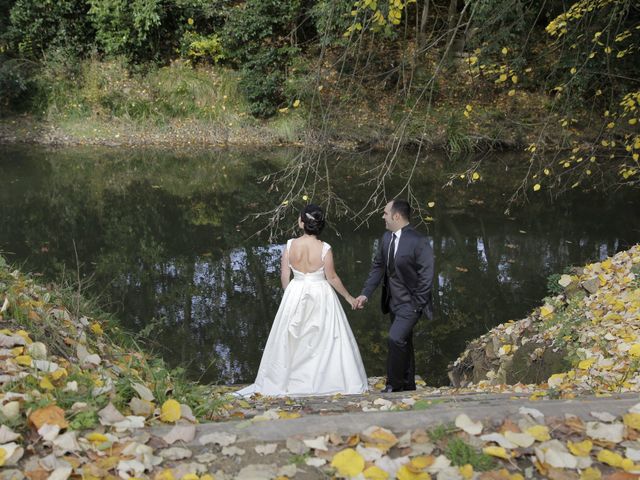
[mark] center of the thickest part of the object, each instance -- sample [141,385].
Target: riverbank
[106,104]
[78,398]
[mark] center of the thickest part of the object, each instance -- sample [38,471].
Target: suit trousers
[401,364]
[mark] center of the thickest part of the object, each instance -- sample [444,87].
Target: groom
[404,264]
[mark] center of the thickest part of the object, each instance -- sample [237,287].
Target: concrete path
[486,407]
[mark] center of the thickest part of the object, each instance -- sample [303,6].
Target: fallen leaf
[463,422]
[348,463]
[581,449]
[52,414]
[266,449]
[185,433]
[110,415]
[497,452]
[318,443]
[220,438]
[170,411]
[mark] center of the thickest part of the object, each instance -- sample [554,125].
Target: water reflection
[161,235]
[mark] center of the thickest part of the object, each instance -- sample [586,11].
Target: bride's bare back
[305,254]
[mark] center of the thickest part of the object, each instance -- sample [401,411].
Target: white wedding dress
[311,349]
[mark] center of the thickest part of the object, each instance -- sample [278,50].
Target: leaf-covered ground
[75,403]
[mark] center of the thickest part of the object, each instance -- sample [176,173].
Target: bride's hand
[353,302]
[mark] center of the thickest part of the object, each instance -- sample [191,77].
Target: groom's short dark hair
[402,207]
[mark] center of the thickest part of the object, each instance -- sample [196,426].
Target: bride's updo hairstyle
[312,218]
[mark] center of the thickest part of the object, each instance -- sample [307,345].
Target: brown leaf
[509,426]
[52,414]
[502,474]
[561,474]
[575,424]
[620,475]
[39,474]
[420,436]
[353,440]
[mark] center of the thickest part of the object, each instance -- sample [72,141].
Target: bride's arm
[334,279]
[285,271]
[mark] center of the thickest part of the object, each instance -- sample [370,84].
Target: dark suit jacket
[414,267]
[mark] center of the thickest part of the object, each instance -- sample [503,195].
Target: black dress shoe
[390,389]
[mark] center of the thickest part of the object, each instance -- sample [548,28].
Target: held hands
[352,301]
[360,301]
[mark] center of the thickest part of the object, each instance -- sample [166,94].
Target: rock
[592,285]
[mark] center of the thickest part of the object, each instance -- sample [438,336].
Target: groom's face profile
[391,218]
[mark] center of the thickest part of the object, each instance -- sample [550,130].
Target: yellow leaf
[283,110]
[468,108]
[546,310]
[431,204]
[511,93]
[24,335]
[95,437]
[46,384]
[539,432]
[348,462]
[632,420]
[503,77]
[166,474]
[475,176]
[405,473]
[375,473]
[499,452]
[580,449]
[536,187]
[288,415]
[610,458]
[190,21]
[97,328]
[590,474]
[466,471]
[24,360]
[58,374]
[633,121]
[421,462]
[573,70]
[305,197]
[296,104]
[170,411]
[505,50]
[514,79]
[3,456]
[547,171]
[586,364]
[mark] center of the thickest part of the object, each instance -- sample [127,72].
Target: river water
[166,241]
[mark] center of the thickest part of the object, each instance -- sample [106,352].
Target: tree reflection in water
[162,237]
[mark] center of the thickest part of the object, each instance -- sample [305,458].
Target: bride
[311,349]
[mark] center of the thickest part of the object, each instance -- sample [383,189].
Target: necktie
[391,262]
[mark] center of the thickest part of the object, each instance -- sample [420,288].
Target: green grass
[461,453]
[440,432]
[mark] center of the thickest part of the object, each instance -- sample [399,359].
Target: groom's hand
[361,300]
